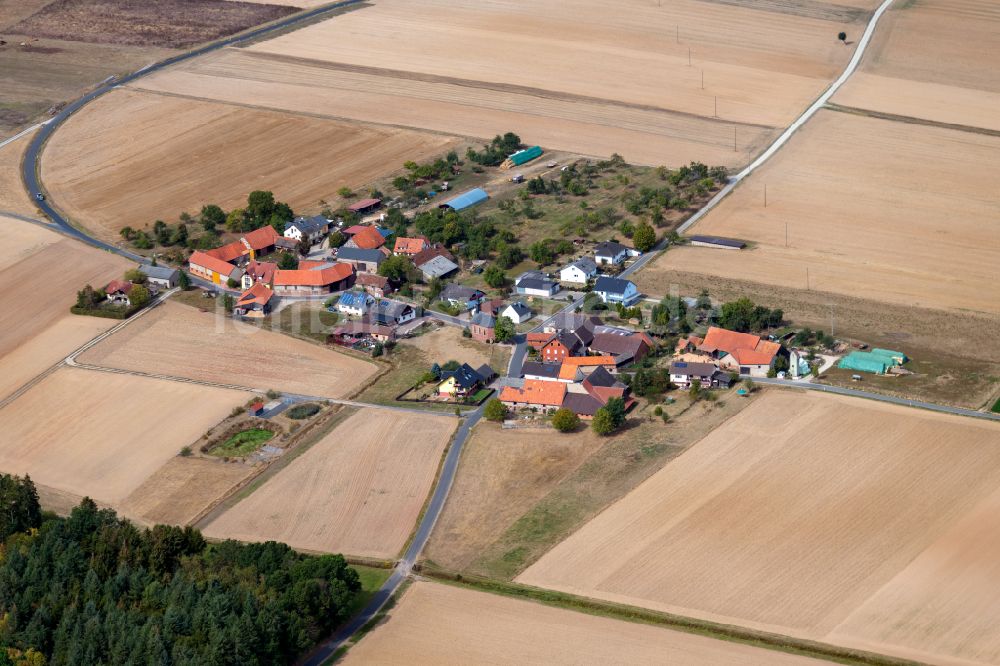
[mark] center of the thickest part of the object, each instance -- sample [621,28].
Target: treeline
[94,589]
[203,231]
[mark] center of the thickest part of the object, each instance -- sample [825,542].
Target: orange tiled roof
[368,239]
[535,392]
[320,277]
[309,264]
[228,252]
[571,364]
[259,293]
[746,348]
[261,238]
[210,262]
[409,245]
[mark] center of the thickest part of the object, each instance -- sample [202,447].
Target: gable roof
[601,377]
[572,364]
[609,249]
[319,277]
[458,292]
[693,369]
[618,345]
[116,286]
[262,270]
[519,308]
[465,376]
[353,299]
[428,254]
[363,204]
[535,392]
[547,370]
[258,239]
[542,284]
[612,285]
[746,348]
[371,280]
[258,294]
[229,252]
[409,245]
[211,263]
[585,264]
[361,254]
[159,272]
[484,320]
[368,238]
[438,266]
[308,225]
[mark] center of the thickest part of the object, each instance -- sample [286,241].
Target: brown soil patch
[168,23]
[177,340]
[445,624]
[889,211]
[180,491]
[933,59]
[503,474]
[788,526]
[101,434]
[208,153]
[358,491]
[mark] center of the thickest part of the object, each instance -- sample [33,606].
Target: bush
[300,412]
[603,423]
[495,410]
[272,394]
[658,411]
[565,420]
[185,451]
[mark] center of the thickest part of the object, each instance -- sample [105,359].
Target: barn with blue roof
[466,199]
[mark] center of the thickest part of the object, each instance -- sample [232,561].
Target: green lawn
[372,579]
[242,443]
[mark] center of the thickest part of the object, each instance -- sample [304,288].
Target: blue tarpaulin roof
[467,199]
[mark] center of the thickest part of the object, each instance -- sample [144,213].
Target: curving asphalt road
[30,167]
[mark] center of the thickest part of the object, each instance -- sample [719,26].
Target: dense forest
[94,589]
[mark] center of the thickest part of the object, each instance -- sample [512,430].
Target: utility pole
[702,79]
[689,56]
[831,320]
[807,278]
[716,114]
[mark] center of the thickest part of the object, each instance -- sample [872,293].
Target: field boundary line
[789,131]
[910,120]
[637,614]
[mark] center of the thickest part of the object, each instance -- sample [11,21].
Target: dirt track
[358,491]
[792,526]
[441,624]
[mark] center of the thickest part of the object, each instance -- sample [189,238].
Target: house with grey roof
[363,260]
[616,290]
[161,276]
[310,229]
[579,272]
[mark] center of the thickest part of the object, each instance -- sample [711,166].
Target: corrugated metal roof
[467,199]
[718,240]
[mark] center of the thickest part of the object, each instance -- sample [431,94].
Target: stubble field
[935,60]
[40,329]
[443,624]
[101,434]
[823,527]
[13,197]
[202,152]
[357,491]
[567,81]
[178,340]
[883,210]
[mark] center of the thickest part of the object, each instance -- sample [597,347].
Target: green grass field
[242,443]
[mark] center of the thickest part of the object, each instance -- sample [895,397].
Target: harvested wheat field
[102,434]
[183,489]
[41,330]
[792,526]
[884,210]
[934,59]
[202,152]
[13,197]
[571,84]
[444,624]
[503,473]
[178,340]
[357,491]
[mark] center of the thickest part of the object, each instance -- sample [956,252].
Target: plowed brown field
[181,341]
[358,491]
[442,624]
[815,516]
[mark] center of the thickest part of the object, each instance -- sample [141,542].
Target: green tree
[397,268]
[236,220]
[842,36]
[184,281]
[565,420]
[616,408]
[138,295]
[288,261]
[260,207]
[504,329]
[603,422]
[540,253]
[644,237]
[494,276]
[135,276]
[495,410]
[336,239]
[211,217]
[228,303]
[345,192]
[19,507]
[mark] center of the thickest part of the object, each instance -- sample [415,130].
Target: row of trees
[94,589]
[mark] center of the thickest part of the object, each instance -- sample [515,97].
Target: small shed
[466,199]
[522,157]
[717,242]
[364,206]
[256,409]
